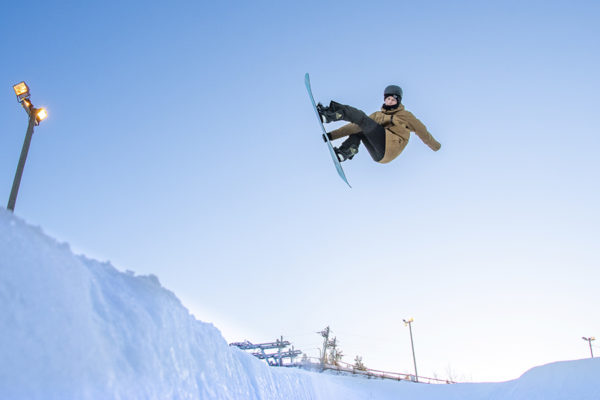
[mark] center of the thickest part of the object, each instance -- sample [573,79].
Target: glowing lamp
[21,90]
[40,114]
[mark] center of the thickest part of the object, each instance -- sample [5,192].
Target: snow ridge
[72,327]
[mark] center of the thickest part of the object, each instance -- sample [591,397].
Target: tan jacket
[398,124]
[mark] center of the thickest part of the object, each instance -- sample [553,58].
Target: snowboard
[336,162]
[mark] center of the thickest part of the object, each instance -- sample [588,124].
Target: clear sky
[180,142]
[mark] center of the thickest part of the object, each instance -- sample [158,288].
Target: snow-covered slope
[75,328]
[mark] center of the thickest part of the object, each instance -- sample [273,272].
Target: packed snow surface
[76,328]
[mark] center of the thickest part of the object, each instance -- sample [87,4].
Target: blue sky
[180,142]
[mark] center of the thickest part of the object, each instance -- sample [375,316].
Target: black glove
[328,136]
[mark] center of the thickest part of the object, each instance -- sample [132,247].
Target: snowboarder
[384,133]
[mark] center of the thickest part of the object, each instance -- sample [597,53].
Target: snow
[75,328]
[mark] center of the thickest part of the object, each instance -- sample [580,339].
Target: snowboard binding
[328,114]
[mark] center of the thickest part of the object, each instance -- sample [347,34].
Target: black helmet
[393,90]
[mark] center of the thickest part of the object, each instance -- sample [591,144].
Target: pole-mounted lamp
[22,91]
[36,115]
[589,340]
[409,324]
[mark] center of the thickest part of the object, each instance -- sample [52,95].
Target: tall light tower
[36,115]
[409,323]
[589,340]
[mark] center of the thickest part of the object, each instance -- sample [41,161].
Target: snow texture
[76,328]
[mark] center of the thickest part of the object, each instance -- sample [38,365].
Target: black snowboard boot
[349,148]
[345,153]
[329,114]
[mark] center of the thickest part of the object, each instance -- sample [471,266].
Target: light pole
[36,115]
[409,323]
[589,340]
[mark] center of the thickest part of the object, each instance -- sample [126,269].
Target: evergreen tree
[358,364]
[335,354]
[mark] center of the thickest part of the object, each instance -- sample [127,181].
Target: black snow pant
[372,134]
